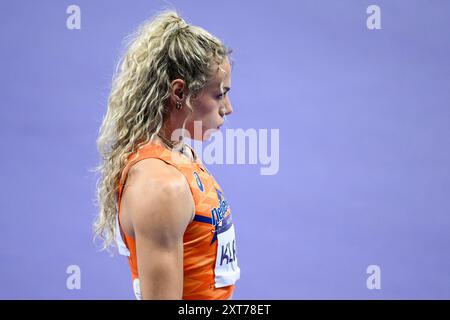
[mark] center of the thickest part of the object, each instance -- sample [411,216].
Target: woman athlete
[157,201]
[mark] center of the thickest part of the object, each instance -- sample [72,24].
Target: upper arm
[161,205]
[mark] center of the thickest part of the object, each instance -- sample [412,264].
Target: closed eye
[220,96]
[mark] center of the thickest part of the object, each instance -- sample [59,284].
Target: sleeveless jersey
[210,266]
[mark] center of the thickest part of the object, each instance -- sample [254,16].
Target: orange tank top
[210,266]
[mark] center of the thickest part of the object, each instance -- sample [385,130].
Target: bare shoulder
[157,200]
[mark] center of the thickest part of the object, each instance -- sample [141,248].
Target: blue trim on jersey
[204,219]
[199,182]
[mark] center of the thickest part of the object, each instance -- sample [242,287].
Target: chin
[209,132]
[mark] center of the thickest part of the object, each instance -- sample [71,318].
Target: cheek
[206,109]
[206,112]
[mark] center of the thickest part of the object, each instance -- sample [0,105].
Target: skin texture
[148,210]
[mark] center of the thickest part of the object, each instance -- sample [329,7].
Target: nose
[228,108]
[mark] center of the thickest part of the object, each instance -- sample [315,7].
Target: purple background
[364,121]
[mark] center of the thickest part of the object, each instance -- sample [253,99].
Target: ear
[177,90]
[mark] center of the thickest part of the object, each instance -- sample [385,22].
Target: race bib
[227,271]
[137,289]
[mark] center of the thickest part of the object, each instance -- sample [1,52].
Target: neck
[175,124]
[179,146]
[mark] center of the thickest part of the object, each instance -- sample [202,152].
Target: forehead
[223,75]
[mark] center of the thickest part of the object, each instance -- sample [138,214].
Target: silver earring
[179,106]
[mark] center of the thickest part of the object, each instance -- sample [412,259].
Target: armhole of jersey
[122,247]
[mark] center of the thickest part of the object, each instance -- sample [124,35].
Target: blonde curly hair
[162,49]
